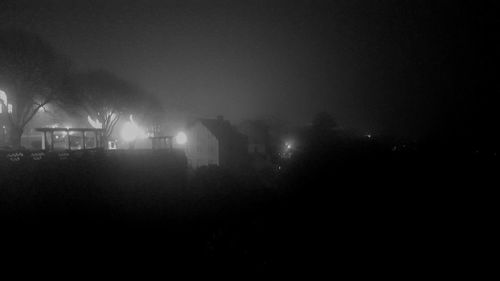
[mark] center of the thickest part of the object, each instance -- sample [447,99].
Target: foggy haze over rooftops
[238,137]
[373,65]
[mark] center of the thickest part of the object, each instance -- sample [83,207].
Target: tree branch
[113,124]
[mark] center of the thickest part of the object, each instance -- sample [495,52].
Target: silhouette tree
[149,110]
[32,75]
[324,122]
[103,96]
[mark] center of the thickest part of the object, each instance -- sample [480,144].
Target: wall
[202,147]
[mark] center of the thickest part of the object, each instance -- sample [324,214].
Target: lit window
[3,97]
[9,108]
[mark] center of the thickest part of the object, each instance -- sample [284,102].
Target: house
[5,110]
[215,142]
[258,136]
[260,145]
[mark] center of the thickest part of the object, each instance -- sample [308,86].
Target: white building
[5,109]
[215,142]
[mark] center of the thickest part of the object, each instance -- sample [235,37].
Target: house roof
[220,128]
[256,131]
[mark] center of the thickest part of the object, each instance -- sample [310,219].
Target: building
[215,142]
[260,148]
[258,136]
[5,110]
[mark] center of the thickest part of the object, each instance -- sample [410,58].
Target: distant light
[288,145]
[181,138]
[9,108]
[3,97]
[369,136]
[111,145]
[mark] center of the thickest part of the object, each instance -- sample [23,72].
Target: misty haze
[249,138]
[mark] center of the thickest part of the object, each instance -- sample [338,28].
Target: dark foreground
[361,210]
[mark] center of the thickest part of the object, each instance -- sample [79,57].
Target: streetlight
[181,138]
[131,132]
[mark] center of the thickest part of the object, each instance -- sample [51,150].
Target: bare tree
[149,110]
[32,74]
[102,95]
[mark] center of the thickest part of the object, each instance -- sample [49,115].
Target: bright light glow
[131,118]
[130,131]
[9,108]
[288,145]
[43,108]
[181,138]
[94,123]
[3,97]
[111,145]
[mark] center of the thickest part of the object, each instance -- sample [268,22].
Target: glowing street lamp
[181,138]
[287,151]
[130,131]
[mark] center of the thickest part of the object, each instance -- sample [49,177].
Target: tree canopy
[106,98]
[31,73]
[103,96]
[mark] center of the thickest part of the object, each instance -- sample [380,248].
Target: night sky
[409,68]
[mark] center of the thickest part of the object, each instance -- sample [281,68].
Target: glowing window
[3,97]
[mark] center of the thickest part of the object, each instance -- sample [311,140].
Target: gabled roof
[220,128]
